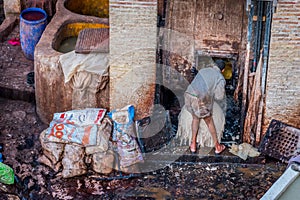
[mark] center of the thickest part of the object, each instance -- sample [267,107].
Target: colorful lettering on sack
[81,118]
[71,133]
[99,116]
[86,136]
[59,130]
[64,118]
[79,126]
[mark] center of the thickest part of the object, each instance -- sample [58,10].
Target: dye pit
[19,132]
[68,45]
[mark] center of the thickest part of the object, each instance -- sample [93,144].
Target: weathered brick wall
[133,28]
[283,85]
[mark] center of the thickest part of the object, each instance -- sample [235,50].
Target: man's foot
[219,149]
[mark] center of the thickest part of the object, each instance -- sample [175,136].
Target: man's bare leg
[195,127]
[212,129]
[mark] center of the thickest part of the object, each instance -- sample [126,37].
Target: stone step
[181,155]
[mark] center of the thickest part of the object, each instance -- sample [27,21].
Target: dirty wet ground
[20,129]
[19,132]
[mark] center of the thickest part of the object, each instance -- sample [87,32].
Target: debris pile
[244,151]
[78,139]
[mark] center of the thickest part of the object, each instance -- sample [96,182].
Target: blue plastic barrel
[33,22]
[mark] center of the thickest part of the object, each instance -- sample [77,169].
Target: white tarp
[72,62]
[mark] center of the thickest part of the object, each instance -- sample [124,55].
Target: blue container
[33,22]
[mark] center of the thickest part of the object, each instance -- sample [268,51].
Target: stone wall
[133,28]
[283,85]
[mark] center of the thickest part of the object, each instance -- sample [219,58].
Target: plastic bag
[125,136]
[6,174]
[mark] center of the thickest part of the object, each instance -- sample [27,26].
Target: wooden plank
[246,137]
[251,121]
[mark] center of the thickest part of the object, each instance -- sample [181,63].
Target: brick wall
[283,85]
[133,28]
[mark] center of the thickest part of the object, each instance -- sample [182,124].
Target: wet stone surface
[14,68]
[19,132]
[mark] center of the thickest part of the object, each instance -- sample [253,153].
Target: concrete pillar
[133,29]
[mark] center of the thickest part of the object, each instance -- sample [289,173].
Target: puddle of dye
[68,45]
[33,16]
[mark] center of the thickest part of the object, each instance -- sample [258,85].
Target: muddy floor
[19,132]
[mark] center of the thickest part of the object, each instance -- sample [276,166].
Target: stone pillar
[133,30]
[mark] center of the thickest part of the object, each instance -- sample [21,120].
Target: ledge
[7,26]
